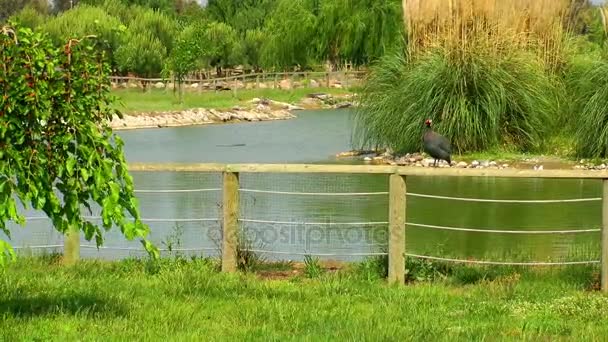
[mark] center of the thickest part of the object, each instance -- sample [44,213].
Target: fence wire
[345,217]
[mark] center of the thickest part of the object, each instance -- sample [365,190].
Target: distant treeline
[149,37]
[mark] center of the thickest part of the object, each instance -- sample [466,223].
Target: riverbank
[183,300]
[270,105]
[487,160]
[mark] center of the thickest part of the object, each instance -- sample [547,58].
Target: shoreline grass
[134,101]
[188,299]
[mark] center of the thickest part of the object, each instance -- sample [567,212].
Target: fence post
[604,261]
[230,199]
[71,246]
[396,228]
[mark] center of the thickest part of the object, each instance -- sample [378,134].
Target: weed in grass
[312,267]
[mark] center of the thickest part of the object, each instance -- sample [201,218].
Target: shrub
[589,85]
[475,99]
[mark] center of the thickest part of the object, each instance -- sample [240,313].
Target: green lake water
[288,225]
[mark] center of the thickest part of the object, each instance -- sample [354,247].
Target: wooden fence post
[396,228]
[230,227]
[71,246]
[604,260]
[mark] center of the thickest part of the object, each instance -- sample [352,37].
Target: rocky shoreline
[255,110]
[384,157]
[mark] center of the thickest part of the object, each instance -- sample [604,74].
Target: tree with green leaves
[9,7]
[58,153]
[222,46]
[87,20]
[187,55]
[289,32]
[141,53]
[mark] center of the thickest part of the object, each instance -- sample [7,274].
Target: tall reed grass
[485,71]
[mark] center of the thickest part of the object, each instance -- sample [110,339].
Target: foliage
[221,45]
[187,55]
[142,54]
[589,88]
[29,17]
[289,31]
[476,101]
[357,30]
[153,23]
[55,135]
[87,20]
[10,7]
[252,47]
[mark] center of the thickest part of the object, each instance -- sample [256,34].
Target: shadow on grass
[76,304]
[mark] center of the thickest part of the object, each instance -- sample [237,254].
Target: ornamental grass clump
[485,76]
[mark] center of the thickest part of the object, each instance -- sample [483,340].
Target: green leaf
[7,253]
[70,166]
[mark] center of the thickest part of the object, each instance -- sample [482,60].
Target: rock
[505,165]
[474,163]
[320,96]
[402,161]
[194,85]
[367,159]
[602,167]
[428,162]
[344,105]
[462,164]
[159,85]
[485,163]
[313,84]
[311,102]
[285,84]
[493,163]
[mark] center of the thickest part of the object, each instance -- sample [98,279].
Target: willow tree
[289,32]
[59,154]
[359,31]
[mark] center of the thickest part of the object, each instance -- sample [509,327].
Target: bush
[589,86]
[476,98]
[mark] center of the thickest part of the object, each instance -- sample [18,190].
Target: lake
[288,224]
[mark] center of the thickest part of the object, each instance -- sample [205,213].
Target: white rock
[492,163]
[475,163]
[367,159]
[462,164]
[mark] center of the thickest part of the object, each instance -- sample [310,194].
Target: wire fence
[344,217]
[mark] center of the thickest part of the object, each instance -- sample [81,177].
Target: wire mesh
[344,217]
[278,220]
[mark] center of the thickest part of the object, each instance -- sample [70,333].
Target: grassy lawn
[191,300]
[134,100]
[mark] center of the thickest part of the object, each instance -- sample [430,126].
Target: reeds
[483,70]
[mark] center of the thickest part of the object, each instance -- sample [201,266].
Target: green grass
[134,100]
[191,300]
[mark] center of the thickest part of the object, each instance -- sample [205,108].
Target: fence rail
[397,205]
[344,79]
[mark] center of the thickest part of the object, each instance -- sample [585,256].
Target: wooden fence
[396,208]
[344,79]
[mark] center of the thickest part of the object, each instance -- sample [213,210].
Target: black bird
[436,145]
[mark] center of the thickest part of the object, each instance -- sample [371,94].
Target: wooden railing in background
[346,78]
